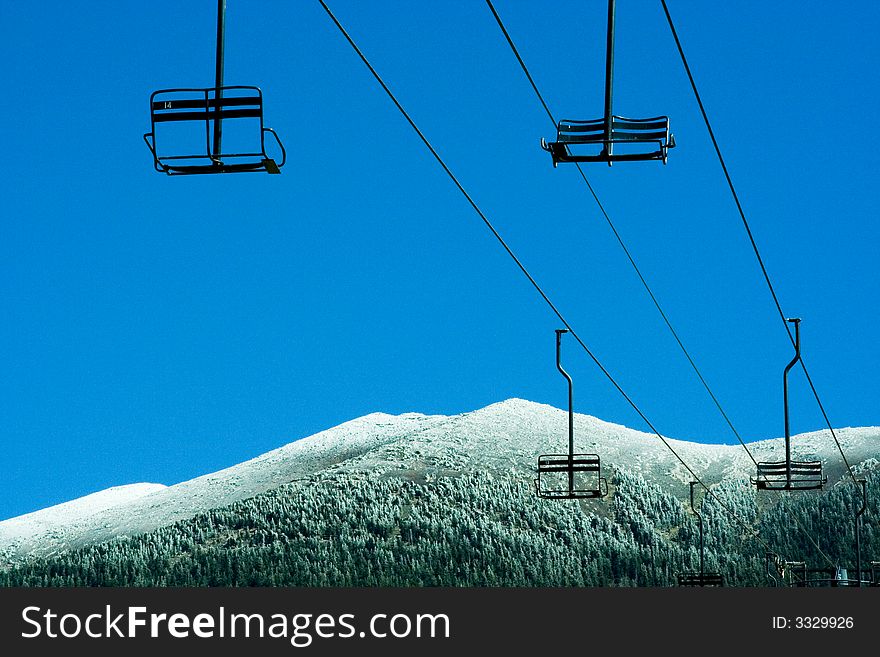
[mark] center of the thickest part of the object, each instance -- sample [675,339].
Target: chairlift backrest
[805,475]
[701,578]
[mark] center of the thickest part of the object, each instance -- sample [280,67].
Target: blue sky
[155,329]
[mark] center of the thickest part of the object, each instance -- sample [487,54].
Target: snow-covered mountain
[503,439]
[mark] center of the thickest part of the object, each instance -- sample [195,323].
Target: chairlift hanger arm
[609,79]
[789,474]
[218,77]
[797,342]
[569,464]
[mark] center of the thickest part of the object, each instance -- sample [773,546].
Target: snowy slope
[56,518]
[503,438]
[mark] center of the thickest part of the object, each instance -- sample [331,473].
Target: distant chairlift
[785,573]
[203,111]
[775,568]
[837,576]
[796,572]
[569,476]
[789,474]
[701,578]
[611,138]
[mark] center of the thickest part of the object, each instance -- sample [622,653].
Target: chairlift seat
[203,107]
[575,469]
[643,139]
[700,579]
[805,475]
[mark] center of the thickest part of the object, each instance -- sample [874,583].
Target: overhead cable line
[525,271]
[620,241]
[745,223]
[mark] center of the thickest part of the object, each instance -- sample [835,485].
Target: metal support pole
[797,356]
[609,77]
[859,513]
[218,77]
[559,333]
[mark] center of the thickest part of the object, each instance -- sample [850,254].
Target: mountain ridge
[503,438]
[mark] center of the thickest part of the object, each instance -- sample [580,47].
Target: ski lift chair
[611,138]
[198,110]
[701,578]
[789,474]
[569,476]
[640,139]
[875,573]
[792,568]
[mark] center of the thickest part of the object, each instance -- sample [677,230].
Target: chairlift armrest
[280,145]
[152,146]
